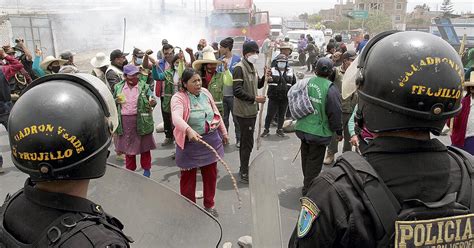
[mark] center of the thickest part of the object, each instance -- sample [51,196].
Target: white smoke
[90,26]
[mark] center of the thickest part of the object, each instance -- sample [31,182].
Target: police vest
[446,223]
[280,84]
[99,230]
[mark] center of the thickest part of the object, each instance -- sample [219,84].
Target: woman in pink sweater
[195,116]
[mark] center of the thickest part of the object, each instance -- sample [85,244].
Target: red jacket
[11,68]
[460,122]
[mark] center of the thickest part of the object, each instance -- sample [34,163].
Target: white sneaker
[329,159]
[199,194]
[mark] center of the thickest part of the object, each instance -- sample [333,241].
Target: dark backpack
[399,226]
[96,230]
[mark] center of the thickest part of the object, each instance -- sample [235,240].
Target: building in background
[396,9]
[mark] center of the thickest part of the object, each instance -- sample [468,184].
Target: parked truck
[237,18]
[276,25]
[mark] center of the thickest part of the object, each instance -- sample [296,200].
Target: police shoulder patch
[309,212]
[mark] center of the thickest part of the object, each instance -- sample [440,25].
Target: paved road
[235,222]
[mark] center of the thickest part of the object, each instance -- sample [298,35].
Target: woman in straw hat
[195,116]
[463,125]
[50,65]
[211,79]
[100,63]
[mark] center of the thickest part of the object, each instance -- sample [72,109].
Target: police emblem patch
[309,212]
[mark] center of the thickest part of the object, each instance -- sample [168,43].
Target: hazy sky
[292,7]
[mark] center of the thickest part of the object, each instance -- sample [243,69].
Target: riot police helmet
[408,81]
[61,128]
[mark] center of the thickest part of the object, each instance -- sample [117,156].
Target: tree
[314,19]
[447,7]
[378,22]
[303,17]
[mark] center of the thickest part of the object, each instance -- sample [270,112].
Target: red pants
[145,161]
[187,184]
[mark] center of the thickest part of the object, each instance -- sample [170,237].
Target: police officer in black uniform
[60,131]
[410,83]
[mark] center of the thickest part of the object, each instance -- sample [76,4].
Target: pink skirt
[130,143]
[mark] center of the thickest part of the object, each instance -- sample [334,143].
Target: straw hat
[100,60]
[50,59]
[470,83]
[285,45]
[208,57]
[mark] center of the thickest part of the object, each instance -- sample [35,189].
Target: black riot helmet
[61,128]
[408,81]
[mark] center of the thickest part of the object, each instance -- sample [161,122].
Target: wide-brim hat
[208,57]
[100,60]
[50,59]
[470,83]
[285,45]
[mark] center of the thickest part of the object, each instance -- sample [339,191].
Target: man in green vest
[315,130]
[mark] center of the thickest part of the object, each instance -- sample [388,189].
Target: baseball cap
[324,65]
[117,54]
[130,69]
[138,52]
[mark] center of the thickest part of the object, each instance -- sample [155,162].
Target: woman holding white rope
[195,116]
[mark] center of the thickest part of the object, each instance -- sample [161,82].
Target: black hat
[324,65]
[117,54]
[164,41]
[138,52]
[249,47]
[227,43]
[66,55]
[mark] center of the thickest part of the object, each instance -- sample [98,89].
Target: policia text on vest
[450,232]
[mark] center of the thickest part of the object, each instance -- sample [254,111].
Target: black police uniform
[50,146]
[411,169]
[46,219]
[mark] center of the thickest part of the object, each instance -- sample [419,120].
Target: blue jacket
[361,45]
[235,59]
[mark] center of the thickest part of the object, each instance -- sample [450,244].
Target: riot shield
[266,228]
[349,85]
[153,214]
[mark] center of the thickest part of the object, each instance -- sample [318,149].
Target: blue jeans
[228,103]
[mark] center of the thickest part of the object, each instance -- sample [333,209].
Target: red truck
[238,18]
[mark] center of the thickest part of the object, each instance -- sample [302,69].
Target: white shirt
[470,121]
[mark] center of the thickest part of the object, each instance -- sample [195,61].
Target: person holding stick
[245,83]
[195,115]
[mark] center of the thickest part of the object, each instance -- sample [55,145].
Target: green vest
[145,124]
[316,123]
[216,88]
[168,91]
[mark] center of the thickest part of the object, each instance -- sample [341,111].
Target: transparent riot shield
[153,214]
[266,228]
